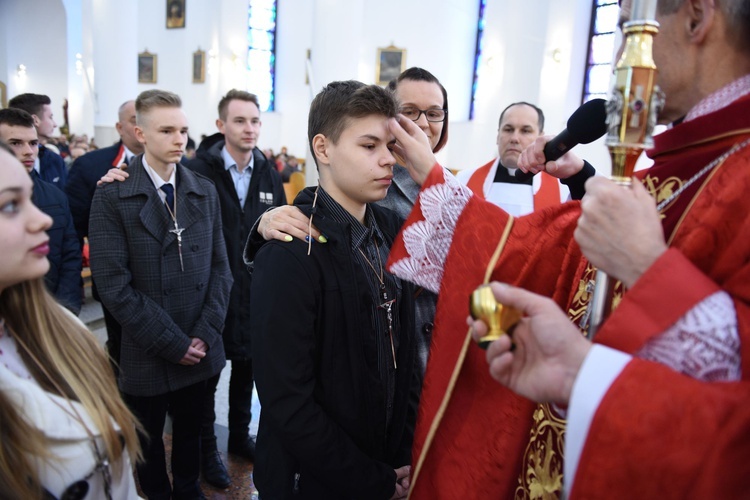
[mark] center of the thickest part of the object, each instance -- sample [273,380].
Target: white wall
[44,53]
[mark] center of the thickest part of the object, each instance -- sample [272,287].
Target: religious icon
[146,67]
[175,14]
[391,62]
[199,66]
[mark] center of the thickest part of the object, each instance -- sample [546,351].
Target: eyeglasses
[432,115]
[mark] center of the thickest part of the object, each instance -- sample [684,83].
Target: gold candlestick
[631,116]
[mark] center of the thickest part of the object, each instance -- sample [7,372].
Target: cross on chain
[178,232]
[388,306]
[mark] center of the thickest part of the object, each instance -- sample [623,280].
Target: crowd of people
[348,309]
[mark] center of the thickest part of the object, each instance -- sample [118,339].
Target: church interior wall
[40,44]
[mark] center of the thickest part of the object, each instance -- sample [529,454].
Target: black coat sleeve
[284,350]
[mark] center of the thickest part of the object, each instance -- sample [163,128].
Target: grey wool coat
[136,266]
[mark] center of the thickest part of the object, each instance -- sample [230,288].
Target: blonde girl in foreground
[64,431]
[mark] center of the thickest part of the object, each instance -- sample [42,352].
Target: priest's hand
[548,352]
[286,222]
[114,174]
[532,160]
[620,230]
[412,148]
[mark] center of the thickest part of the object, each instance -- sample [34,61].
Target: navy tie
[169,191]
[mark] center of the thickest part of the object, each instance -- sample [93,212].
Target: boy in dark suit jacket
[159,260]
[333,346]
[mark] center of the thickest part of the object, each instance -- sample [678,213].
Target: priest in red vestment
[686,439]
[520,124]
[685,244]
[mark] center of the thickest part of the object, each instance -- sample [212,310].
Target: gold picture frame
[199,66]
[147,67]
[390,63]
[175,14]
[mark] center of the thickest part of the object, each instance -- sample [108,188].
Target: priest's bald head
[702,46]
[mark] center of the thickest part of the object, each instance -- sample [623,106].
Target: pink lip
[42,249]
[386,180]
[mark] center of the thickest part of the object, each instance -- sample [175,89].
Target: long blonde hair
[65,359]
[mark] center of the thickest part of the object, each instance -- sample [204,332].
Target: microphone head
[589,122]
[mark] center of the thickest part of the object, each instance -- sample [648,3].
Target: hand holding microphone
[587,124]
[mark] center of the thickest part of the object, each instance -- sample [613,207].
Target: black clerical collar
[503,175]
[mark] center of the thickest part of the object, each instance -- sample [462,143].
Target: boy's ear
[320,145]
[139,134]
[220,125]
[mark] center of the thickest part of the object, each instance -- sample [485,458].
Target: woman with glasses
[64,431]
[424,100]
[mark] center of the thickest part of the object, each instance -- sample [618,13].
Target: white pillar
[113,49]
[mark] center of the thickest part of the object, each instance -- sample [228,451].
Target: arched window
[261,53]
[477,55]
[603,33]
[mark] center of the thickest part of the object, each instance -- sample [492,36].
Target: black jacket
[64,276]
[315,363]
[82,179]
[52,168]
[266,190]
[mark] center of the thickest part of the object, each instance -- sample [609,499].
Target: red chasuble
[473,436]
[687,439]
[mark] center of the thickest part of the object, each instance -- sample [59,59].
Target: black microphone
[587,124]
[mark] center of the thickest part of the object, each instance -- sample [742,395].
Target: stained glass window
[477,56]
[261,53]
[601,49]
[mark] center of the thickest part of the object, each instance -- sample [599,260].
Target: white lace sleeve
[428,241]
[703,344]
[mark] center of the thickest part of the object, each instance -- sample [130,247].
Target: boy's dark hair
[232,95]
[16,117]
[539,114]
[31,103]
[149,99]
[338,102]
[422,75]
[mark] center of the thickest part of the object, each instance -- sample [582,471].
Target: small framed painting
[199,66]
[146,67]
[175,14]
[391,62]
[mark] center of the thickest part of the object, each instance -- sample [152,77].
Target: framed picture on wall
[175,14]
[3,95]
[199,66]
[146,67]
[391,62]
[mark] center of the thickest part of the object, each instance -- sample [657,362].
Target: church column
[113,46]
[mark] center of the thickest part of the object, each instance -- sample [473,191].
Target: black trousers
[183,405]
[240,403]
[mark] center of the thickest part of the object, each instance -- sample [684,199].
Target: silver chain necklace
[702,172]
